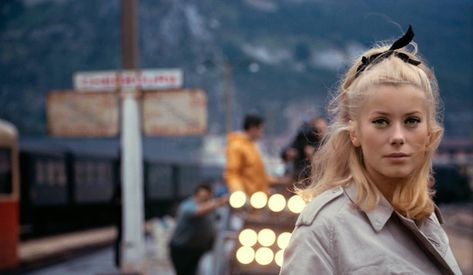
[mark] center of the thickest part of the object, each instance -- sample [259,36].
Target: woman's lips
[397,157]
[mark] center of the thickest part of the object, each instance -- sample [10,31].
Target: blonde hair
[339,163]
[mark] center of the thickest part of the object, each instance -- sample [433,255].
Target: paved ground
[101,263]
[458,225]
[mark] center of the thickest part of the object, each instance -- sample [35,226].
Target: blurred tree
[9,10]
[301,52]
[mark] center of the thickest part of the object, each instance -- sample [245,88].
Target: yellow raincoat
[244,169]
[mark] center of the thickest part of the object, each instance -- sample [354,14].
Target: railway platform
[86,252]
[91,251]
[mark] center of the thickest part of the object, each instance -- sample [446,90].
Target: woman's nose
[398,136]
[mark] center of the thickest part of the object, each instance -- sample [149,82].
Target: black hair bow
[398,44]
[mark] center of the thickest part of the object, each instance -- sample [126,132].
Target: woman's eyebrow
[414,113]
[382,113]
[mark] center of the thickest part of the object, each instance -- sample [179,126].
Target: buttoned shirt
[333,236]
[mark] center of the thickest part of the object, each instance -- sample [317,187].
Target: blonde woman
[371,209]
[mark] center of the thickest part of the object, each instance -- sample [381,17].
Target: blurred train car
[62,190]
[9,196]
[66,188]
[69,184]
[167,183]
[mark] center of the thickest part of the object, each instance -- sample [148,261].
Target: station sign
[93,114]
[174,112]
[147,79]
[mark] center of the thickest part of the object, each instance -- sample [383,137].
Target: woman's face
[392,131]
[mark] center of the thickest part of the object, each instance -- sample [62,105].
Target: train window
[91,175]
[186,179]
[40,172]
[51,173]
[61,174]
[103,173]
[96,181]
[109,173]
[6,186]
[99,171]
[79,172]
[160,182]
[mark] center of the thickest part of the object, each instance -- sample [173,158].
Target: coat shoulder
[318,204]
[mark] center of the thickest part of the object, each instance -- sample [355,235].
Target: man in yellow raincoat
[244,168]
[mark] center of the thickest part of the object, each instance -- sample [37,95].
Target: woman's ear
[354,135]
[435,137]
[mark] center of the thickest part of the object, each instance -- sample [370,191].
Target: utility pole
[133,257]
[129,35]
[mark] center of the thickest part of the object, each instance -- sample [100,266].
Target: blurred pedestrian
[244,168]
[299,153]
[195,229]
[371,209]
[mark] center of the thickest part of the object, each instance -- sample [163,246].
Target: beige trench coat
[334,237]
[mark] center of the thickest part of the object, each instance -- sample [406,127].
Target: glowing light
[266,237]
[278,258]
[276,203]
[248,237]
[237,199]
[296,204]
[283,239]
[264,255]
[258,200]
[245,254]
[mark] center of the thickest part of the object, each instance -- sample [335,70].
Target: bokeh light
[266,237]
[258,200]
[264,256]
[278,258]
[245,255]
[283,239]
[248,237]
[237,199]
[276,203]
[296,204]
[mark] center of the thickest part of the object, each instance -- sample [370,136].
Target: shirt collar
[377,217]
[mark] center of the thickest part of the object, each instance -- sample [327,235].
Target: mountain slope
[285,55]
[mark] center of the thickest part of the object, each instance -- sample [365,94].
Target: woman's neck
[387,189]
[385,185]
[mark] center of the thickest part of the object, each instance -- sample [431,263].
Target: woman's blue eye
[412,121]
[380,122]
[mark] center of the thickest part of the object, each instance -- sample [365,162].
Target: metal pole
[133,244]
[129,35]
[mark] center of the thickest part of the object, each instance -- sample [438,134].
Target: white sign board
[73,114]
[150,79]
[175,112]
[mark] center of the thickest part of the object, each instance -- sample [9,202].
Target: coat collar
[377,217]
